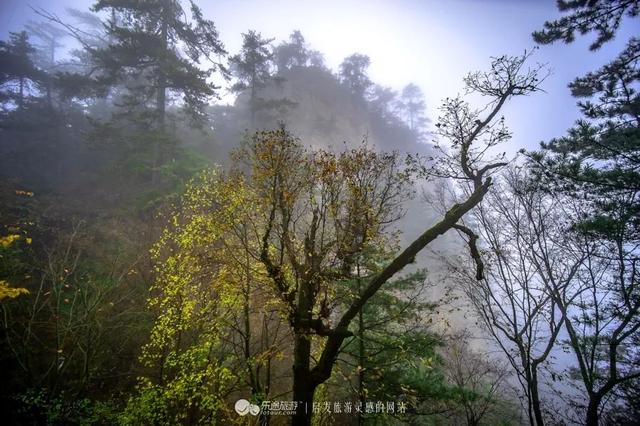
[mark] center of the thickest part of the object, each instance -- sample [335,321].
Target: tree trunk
[252,101]
[535,398]
[303,385]
[361,353]
[21,96]
[52,61]
[161,105]
[592,410]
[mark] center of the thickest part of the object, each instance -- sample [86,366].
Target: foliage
[10,266]
[294,53]
[393,356]
[17,67]
[353,73]
[257,270]
[596,165]
[585,16]
[411,103]
[252,65]
[195,296]
[62,410]
[171,48]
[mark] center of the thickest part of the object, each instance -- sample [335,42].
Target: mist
[327,213]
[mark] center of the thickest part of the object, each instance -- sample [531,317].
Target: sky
[432,43]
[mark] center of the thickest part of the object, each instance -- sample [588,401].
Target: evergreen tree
[49,36]
[393,352]
[599,156]
[316,59]
[76,77]
[598,162]
[154,51]
[154,45]
[412,106]
[17,68]
[585,16]
[293,53]
[252,67]
[381,100]
[353,73]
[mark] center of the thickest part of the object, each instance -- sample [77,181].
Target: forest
[191,235]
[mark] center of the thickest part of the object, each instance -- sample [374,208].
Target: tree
[50,36]
[188,355]
[600,155]
[600,16]
[16,66]
[216,328]
[480,382]
[154,51]
[321,214]
[353,73]
[601,152]
[316,59]
[381,100]
[294,53]
[411,103]
[252,67]
[70,334]
[522,233]
[76,78]
[154,44]
[602,312]
[393,350]
[597,162]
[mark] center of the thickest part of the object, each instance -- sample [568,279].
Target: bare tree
[63,332]
[601,305]
[548,271]
[519,227]
[481,381]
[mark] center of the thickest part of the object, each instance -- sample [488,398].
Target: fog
[252,212]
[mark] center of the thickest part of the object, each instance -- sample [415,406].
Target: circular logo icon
[254,409]
[242,407]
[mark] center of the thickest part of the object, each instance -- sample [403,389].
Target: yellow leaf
[7,292]
[8,240]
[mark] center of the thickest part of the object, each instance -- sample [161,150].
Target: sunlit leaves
[196,293]
[8,292]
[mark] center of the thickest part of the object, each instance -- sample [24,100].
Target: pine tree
[353,73]
[598,162]
[392,356]
[154,45]
[381,102]
[598,159]
[252,67]
[17,67]
[155,52]
[585,16]
[293,53]
[412,105]
[49,36]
